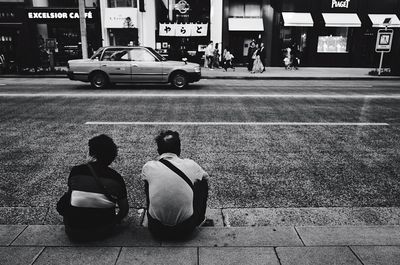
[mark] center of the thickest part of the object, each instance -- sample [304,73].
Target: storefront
[11,22]
[244,22]
[120,20]
[333,33]
[183,29]
[54,33]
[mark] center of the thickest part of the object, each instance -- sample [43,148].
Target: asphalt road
[264,143]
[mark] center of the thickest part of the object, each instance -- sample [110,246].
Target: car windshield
[97,54]
[156,54]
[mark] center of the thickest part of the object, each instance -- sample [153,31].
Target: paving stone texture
[157,256]
[239,256]
[54,235]
[242,236]
[317,256]
[48,244]
[9,232]
[378,255]
[349,235]
[19,255]
[78,256]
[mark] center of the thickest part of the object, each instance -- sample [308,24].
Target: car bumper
[194,77]
[75,76]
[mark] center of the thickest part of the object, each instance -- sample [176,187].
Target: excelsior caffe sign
[58,14]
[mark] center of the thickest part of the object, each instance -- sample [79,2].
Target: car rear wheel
[179,80]
[99,80]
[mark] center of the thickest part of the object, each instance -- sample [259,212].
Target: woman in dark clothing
[250,55]
[95,190]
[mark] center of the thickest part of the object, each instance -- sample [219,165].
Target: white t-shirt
[171,198]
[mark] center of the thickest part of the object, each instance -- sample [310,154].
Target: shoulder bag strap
[177,171]
[105,191]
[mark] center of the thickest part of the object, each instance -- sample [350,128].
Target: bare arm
[123,209]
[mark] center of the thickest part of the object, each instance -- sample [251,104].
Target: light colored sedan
[132,65]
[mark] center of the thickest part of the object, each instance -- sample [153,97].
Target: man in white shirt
[209,53]
[176,190]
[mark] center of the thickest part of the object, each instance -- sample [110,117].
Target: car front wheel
[99,80]
[179,80]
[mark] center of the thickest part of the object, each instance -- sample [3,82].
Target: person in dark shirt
[95,190]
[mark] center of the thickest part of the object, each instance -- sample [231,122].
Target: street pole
[380,64]
[82,22]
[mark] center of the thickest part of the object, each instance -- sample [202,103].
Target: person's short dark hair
[168,142]
[103,148]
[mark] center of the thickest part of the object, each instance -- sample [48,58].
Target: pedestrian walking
[209,52]
[176,190]
[94,191]
[257,65]
[263,55]
[295,56]
[250,53]
[227,59]
[216,56]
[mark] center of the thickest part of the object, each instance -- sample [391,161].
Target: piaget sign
[340,4]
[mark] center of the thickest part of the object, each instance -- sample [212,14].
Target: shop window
[335,42]
[141,55]
[122,3]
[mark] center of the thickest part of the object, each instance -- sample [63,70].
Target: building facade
[46,33]
[327,33]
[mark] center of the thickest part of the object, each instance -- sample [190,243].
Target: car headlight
[197,69]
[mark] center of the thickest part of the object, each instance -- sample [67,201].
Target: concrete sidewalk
[303,73]
[296,245]
[271,73]
[278,236]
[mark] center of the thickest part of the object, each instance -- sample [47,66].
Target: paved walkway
[277,73]
[281,236]
[287,245]
[306,73]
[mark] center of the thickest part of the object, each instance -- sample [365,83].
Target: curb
[301,78]
[354,78]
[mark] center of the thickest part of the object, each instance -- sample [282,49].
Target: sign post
[82,23]
[383,44]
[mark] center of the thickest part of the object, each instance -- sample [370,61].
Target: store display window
[336,42]
[122,3]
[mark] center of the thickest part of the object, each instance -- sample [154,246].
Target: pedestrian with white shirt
[176,190]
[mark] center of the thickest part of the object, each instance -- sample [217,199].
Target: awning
[292,19]
[378,19]
[349,20]
[245,24]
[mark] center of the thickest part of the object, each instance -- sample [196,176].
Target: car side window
[116,55]
[141,55]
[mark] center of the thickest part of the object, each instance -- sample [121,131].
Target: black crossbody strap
[105,191]
[177,171]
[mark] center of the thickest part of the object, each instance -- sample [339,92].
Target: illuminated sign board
[54,14]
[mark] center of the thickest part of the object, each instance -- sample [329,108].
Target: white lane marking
[238,123]
[204,95]
[2,84]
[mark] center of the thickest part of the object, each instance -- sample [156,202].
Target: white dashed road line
[241,123]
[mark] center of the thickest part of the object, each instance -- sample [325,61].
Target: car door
[116,63]
[145,66]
